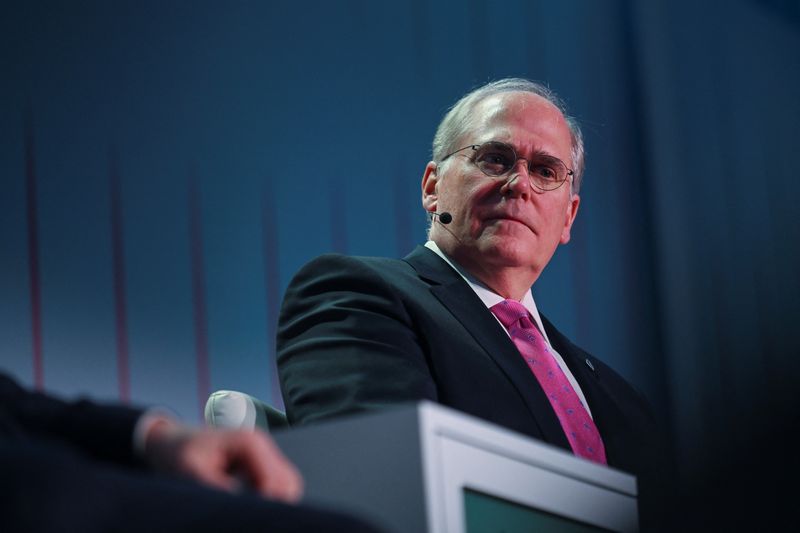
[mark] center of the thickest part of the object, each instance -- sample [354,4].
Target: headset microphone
[444,218]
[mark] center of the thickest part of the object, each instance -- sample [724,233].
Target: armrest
[237,410]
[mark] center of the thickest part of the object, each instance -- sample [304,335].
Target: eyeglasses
[495,159]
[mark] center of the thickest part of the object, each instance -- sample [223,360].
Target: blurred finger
[270,471]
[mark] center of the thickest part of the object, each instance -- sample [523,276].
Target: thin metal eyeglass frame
[475,147]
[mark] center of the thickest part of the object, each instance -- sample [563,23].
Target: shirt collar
[487,295]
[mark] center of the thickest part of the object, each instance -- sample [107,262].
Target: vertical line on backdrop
[32,209]
[269,232]
[118,267]
[479,39]
[536,49]
[338,220]
[660,375]
[198,292]
[582,290]
[421,42]
[402,218]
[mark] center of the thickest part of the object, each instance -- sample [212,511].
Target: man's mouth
[510,218]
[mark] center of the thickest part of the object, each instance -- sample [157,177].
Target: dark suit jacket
[99,431]
[70,466]
[357,334]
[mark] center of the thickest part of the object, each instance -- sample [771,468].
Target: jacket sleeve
[346,342]
[100,431]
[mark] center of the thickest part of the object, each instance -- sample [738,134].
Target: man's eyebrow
[538,153]
[543,154]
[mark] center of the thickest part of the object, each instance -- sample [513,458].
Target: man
[86,467]
[455,321]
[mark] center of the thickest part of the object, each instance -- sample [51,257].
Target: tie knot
[509,312]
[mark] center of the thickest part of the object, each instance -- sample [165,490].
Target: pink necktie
[579,427]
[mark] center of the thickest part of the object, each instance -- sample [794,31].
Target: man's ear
[430,179]
[572,212]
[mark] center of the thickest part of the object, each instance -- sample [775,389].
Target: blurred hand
[225,459]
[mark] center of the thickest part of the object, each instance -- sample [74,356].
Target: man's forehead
[507,106]
[495,116]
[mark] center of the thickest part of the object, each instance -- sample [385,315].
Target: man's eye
[494,157]
[495,161]
[545,172]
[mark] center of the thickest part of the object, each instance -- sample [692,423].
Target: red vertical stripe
[33,259]
[118,265]
[269,228]
[199,294]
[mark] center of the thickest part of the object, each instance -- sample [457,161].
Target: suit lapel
[579,362]
[454,293]
[584,368]
[591,377]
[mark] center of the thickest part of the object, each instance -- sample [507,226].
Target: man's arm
[100,431]
[347,343]
[224,459]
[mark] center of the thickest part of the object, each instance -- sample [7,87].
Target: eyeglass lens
[496,159]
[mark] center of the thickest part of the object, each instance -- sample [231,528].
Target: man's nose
[518,182]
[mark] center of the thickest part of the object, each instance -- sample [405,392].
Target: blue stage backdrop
[165,168]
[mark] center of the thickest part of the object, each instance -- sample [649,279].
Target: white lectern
[428,468]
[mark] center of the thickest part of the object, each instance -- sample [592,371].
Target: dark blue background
[300,128]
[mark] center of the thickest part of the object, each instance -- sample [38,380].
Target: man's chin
[508,252]
[509,227]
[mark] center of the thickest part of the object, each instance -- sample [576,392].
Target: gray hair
[459,119]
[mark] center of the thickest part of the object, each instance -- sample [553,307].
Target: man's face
[503,222]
